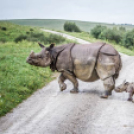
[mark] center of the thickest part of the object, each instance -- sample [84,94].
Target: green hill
[57,24]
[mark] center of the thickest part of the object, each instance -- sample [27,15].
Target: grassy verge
[18,80]
[88,37]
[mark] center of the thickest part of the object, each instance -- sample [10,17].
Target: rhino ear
[42,46]
[124,81]
[52,45]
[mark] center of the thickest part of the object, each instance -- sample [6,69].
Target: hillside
[57,24]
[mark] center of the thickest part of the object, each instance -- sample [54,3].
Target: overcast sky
[111,11]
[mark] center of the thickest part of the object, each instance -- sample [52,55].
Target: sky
[109,11]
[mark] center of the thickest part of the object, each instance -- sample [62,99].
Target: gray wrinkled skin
[87,62]
[128,87]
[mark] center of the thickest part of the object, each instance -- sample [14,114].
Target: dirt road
[49,111]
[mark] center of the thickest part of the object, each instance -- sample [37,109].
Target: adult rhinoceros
[87,62]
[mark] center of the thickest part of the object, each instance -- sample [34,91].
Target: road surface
[49,111]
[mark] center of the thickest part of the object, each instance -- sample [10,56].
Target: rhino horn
[32,53]
[42,46]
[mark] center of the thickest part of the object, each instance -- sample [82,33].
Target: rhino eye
[40,56]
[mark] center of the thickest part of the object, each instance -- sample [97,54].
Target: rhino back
[84,58]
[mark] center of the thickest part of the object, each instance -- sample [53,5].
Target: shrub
[31,29]
[71,27]
[123,29]
[102,32]
[129,39]
[53,38]
[35,37]
[27,32]
[3,40]
[3,28]
[96,31]
[20,38]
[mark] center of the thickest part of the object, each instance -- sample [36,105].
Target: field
[57,24]
[18,80]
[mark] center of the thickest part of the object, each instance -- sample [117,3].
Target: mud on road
[49,111]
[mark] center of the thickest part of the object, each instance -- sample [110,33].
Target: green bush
[71,27]
[98,30]
[129,39]
[31,29]
[40,37]
[123,29]
[3,40]
[3,28]
[20,38]
[102,32]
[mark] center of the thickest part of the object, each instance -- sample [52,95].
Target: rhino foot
[130,99]
[74,90]
[105,95]
[63,86]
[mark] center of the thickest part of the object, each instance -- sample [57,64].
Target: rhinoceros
[87,62]
[128,87]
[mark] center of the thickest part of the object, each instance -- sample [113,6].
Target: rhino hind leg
[130,98]
[109,86]
[61,80]
[73,79]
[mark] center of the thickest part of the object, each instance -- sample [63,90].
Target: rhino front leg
[109,86]
[73,79]
[61,80]
[130,98]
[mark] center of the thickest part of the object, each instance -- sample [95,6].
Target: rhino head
[42,58]
[122,87]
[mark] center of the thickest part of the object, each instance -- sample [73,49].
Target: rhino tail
[119,67]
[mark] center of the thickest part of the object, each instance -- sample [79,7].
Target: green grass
[57,24]
[86,36]
[14,30]
[18,80]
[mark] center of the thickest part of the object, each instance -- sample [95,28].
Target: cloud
[110,11]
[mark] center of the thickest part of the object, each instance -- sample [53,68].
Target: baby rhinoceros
[128,87]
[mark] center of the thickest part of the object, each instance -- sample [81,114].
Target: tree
[71,27]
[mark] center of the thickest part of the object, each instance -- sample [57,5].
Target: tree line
[120,36]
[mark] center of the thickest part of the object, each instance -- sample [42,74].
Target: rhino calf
[87,62]
[128,87]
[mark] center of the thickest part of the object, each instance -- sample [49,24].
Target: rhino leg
[109,86]
[130,98]
[73,79]
[61,80]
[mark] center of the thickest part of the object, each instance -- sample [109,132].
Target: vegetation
[18,80]
[71,27]
[57,24]
[40,37]
[119,36]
